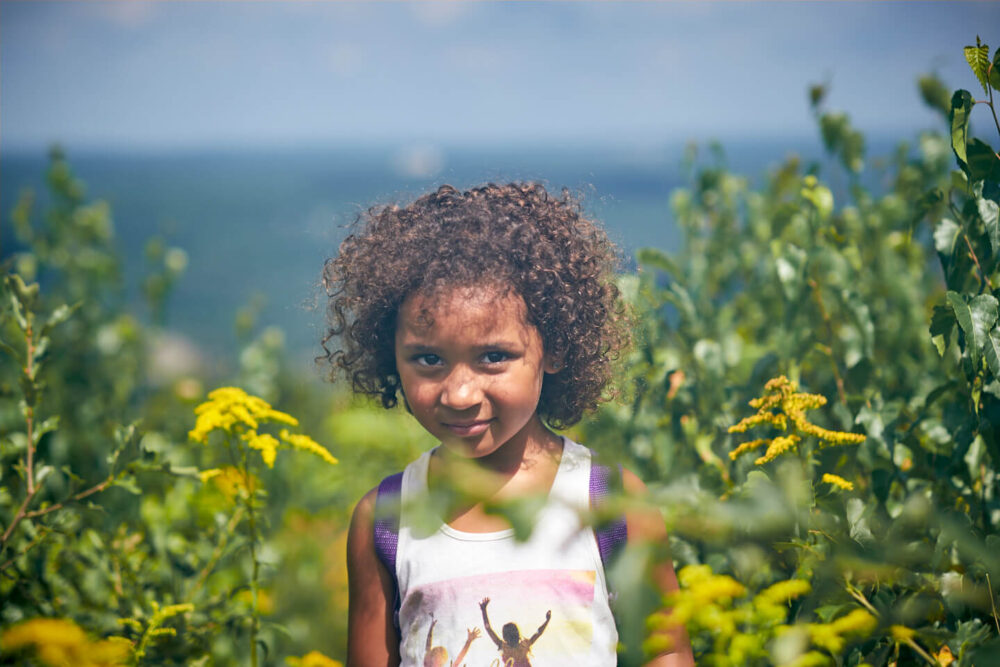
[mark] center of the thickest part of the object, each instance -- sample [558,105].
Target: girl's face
[471,368]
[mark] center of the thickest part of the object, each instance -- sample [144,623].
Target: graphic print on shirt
[528,618]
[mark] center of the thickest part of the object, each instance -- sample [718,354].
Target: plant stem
[252,521]
[983,278]
[828,349]
[29,418]
[993,605]
[217,554]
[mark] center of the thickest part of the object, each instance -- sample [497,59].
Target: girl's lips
[468,429]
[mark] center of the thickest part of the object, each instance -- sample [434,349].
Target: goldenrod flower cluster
[313,659]
[833,635]
[782,405]
[729,627]
[234,412]
[230,480]
[58,642]
[153,627]
[837,481]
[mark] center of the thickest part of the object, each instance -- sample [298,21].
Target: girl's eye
[495,357]
[427,360]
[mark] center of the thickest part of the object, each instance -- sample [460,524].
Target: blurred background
[250,134]
[212,155]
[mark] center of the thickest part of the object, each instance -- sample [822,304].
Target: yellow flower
[838,482]
[313,659]
[307,444]
[267,444]
[783,403]
[783,591]
[229,480]
[945,657]
[58,642]
[232,410]
[778,446]
[748,446]
[858,621]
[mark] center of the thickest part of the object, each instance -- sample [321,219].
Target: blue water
[262,222]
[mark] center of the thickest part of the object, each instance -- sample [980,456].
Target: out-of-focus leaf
[58,316]
[657,259]
[934,93]
[945,235]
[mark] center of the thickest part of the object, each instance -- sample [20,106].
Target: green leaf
[942,322]
[990,214]
[47,426]
[657,259]
[978,57]
[995,71]
[58,316]
[945,235]
[934,93]
[992,351]
[983,161]
[961,105]
[976,317]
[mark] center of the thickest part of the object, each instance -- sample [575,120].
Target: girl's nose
[461,390]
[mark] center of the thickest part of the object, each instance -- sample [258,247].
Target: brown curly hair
[517,236]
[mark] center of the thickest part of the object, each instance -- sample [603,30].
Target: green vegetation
[813,398]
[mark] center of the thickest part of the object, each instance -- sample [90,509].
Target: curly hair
[517,236]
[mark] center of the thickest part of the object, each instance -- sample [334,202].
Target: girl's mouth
[469,428]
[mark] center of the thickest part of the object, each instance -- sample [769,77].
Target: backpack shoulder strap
[386,525]
[385,530]
[612,535]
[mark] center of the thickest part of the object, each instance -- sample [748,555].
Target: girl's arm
[645,526]
[541,628]
[473,635]
[486,622]
[371,637]
[430,637]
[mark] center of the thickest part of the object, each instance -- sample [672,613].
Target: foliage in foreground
[814,401]
[882,515]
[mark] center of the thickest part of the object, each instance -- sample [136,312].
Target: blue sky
[145,75]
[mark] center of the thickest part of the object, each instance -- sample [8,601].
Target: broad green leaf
[976,317]
[821,198]
[961,105]
[945,235]
[942,322]
[990,214]
[657,259]
[983,161]
[978,57]
[992,351]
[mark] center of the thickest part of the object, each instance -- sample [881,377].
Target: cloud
[128,14]
[437,14]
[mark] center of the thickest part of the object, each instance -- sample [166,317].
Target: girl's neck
[525,465]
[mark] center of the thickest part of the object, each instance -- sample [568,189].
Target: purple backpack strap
[385,530]
[611,536]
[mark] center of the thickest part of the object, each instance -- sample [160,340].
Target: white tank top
[443,575]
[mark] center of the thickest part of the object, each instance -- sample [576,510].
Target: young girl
[492,314]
